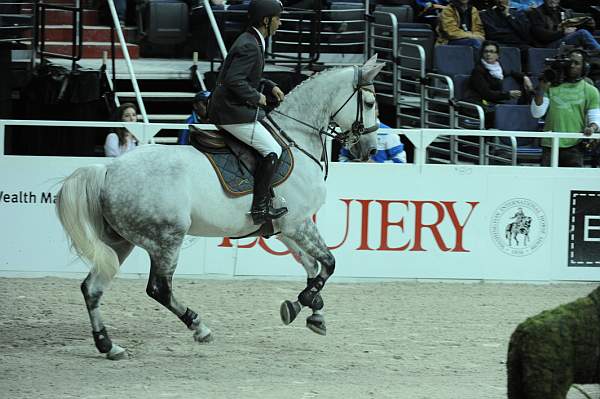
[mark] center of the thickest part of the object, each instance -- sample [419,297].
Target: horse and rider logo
[518,227]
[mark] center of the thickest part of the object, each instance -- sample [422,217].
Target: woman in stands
[122,140]
[486,82]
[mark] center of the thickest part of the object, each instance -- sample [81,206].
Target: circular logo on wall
[518,227]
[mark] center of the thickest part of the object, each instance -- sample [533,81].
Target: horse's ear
[370,63]
[371,70]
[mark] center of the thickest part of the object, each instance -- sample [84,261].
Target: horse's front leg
[309,241]
[289,310]
[160,286]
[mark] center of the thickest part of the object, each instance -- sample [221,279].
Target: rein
[348,137]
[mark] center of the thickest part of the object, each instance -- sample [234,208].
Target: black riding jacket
[236,95]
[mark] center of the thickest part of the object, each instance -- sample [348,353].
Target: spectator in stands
[122,140]
[485,83]
[199,115]
[552,25]
[524,5]
[592,149]
[389,147]
[505,26]
[121,8]
[237,100]
[482,4]
[460,24]
[430,8]
[570,106]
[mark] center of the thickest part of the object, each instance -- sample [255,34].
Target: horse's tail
[80,212]
[514,367]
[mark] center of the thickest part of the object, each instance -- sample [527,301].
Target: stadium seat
[511,117]
[509,83]
[461,83]
[517,118]
[467,120]
[453,60]
[403,13]
[510,58]
[536,57]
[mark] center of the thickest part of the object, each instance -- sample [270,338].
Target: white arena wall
[381,220]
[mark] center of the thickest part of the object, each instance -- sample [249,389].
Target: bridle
[351,136]
[348,137]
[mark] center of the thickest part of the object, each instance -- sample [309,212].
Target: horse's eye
[369,104]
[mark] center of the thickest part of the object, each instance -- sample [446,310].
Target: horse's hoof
[288,311]
[117,353]
[316,324]
[203,335]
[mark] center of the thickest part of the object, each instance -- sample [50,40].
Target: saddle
[235,162]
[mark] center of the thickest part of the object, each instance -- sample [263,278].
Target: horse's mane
[301,102]
[323,73]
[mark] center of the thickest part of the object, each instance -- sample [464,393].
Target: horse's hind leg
[316,321]
[309,240]
[93,287]
[163,258]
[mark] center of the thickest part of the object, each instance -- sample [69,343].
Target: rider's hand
[262,100]
[569,30]
[278,94]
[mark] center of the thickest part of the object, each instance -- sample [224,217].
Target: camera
[556,70]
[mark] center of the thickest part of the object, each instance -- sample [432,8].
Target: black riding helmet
[259,9]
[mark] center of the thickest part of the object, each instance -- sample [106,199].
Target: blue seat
[453,60]
[516,118]
[461,83]
[510,58]
[513,117]
[509,83]
[536,58]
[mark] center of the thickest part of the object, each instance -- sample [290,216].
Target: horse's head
[356,112]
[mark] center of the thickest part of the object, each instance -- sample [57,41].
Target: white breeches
[255,135]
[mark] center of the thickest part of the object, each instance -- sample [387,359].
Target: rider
[237,99]
[519,215]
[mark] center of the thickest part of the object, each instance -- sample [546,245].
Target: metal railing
[16,26]
[401,81]
[420,138]
[39,35]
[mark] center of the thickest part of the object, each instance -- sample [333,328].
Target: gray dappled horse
[153,196]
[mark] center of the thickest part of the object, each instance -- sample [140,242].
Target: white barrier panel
[397,221]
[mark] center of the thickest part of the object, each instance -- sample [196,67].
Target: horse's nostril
[372,151]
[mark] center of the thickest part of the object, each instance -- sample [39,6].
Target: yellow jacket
[449,26]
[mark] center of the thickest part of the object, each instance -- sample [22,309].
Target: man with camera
[570,103]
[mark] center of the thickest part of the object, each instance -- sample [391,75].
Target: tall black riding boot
[262,210]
